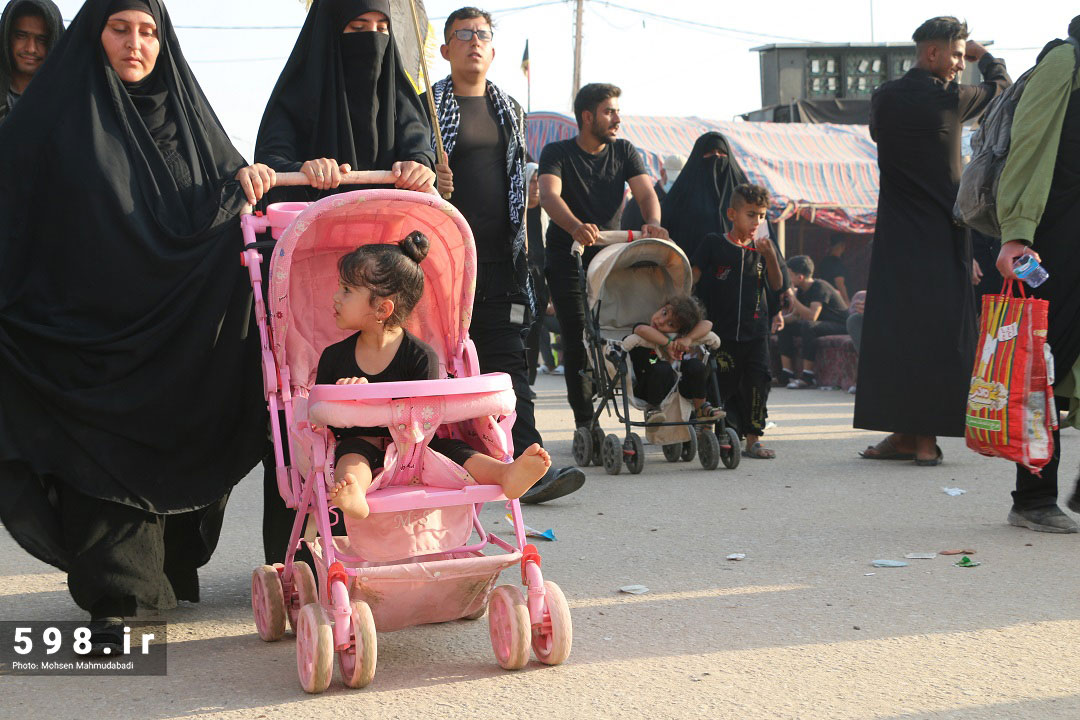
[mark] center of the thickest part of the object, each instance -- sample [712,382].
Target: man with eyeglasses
[28,30]
[483,130]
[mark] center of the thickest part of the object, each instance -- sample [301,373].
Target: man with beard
[581,188]
[919,340]
[483,130]
[28,29]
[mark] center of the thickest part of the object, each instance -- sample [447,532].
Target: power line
[694,24]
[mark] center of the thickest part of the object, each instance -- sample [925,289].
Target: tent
[824,174]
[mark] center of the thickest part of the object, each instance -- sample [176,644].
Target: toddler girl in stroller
[378,287]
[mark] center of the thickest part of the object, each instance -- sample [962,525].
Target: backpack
[976,200]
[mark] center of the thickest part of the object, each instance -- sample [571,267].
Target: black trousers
[568,296]
[500,347]
[659,378]
[743,379]
[122,557]
[809,332]
[1033,491]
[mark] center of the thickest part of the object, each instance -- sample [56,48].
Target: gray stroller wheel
[612,452]
[597,445]
[708,449]
[690,447]
[634,453]
[582,447]
[673,452]
[730,453]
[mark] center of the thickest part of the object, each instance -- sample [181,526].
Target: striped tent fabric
[823,173]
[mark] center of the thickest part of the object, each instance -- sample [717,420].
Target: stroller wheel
[508,624]
[673,452]
[634,453]
[314,649]
[583,450]
[268,603]
[612,452]
[708,449]
[690,447]
[729,448]
[597,445]
[303,592]
[358,662]
[552,640]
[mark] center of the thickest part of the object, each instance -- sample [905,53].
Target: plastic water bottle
[1028,269]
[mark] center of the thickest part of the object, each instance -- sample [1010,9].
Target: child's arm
[651,334]
[681,344]
[765,246]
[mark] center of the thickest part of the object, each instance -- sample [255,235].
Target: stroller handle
[609,237]
[356,177]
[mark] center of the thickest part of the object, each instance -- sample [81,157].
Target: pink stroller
[414,560]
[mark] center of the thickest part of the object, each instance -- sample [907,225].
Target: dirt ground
[803,627]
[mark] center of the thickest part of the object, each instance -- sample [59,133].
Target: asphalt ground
[803,627]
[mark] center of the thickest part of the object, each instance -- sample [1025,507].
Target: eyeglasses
[467,35]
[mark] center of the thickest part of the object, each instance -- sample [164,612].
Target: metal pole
[871,20]
[577,50]
[440,151]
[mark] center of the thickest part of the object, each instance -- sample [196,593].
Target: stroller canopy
[628,282]
[304,275]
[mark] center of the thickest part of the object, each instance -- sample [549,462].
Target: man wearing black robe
[28,30]
[919,339]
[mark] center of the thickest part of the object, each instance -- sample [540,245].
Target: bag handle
[1007,286]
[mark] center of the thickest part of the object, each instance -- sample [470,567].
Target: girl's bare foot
[526,469]
[350,497]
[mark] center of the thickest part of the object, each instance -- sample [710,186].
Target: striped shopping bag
[1010,408]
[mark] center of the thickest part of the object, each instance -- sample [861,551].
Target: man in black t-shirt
[581,188]
[483,130]
[816,310]
[832,270]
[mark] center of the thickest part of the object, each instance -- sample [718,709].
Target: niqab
[697,203]
[344,96]
[129,372]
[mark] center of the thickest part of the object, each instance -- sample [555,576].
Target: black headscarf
[54,23]
[343,96]
[128,370]
[696,203]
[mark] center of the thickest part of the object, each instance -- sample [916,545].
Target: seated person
[379,285]
[816,310]
[854,323]
[674,327]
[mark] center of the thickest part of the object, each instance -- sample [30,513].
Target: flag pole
[440,151]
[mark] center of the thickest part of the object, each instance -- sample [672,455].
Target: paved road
[804,627]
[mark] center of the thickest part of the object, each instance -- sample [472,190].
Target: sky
[676,57]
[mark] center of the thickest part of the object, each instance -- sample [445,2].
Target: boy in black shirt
[733,273]
[581,188]
[816,310]
[832,270]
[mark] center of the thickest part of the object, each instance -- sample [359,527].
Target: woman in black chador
[131,400]
[698,200]
[344,102]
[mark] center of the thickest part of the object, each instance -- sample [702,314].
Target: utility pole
[577,51]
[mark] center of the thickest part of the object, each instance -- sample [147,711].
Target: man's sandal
[885,450]
[757,451]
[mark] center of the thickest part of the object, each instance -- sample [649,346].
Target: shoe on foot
[851,390]
[558,370]
[653,416]
[106,636]
[799,384]
[555,484]
[1048,519]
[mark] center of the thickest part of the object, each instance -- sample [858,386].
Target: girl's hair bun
[415,246]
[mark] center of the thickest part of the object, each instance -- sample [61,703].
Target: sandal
[708,412]
[931,462]
[758,451]
[885,450]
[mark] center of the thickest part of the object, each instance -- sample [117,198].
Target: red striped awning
[826,174]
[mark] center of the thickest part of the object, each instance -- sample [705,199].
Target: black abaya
[130,377]
[918,342]
[345,97]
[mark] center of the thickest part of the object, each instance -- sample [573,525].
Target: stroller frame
[330,616]
[714,441]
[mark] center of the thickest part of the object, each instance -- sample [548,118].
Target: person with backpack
[1038,207]
[918,346]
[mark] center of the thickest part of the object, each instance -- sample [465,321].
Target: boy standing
[732,273]
[816,310]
